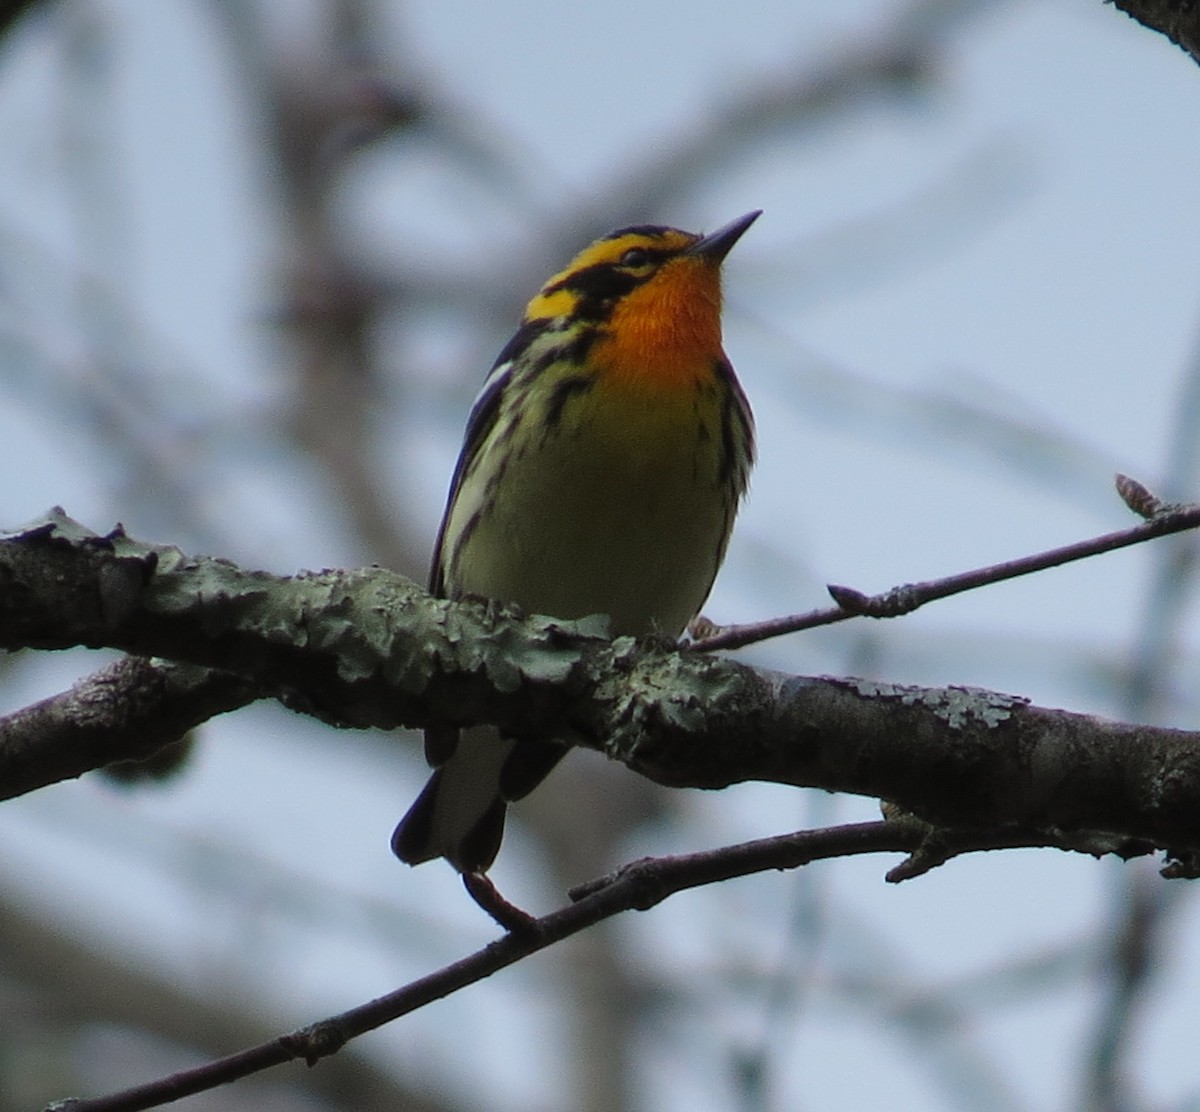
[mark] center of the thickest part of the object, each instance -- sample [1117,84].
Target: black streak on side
[563,391]
[731,414]
[576,351]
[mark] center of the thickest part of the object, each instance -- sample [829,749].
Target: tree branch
[1179,20]
[126,712]
[370,648]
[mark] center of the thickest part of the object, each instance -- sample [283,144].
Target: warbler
[603,463]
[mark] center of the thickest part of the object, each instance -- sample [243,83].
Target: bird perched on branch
[603,464]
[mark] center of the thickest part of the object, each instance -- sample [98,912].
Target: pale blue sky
[1038,221]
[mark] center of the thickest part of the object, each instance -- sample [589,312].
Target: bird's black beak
[713,248]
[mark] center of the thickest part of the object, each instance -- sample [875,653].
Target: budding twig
[1161,519]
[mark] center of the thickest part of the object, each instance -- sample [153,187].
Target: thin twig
[1161,520]
[638,886]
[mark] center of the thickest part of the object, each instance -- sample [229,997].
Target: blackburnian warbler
[602,467]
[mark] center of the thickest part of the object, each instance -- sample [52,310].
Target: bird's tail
[459,814]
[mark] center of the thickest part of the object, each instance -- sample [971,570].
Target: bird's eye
[635,256]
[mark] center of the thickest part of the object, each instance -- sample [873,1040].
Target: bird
[604,461]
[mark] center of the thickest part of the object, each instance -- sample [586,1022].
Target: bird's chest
[613,507]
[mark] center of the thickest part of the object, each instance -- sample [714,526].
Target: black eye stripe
[604,280]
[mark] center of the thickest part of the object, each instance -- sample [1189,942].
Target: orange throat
[665,334]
